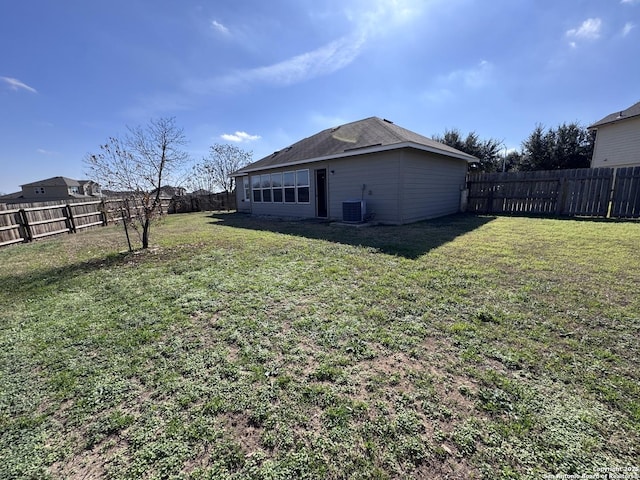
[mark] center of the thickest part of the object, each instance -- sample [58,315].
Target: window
[39,190]
[302,186]
[287,187]
[255,186]
[73,190]
[276,184]
[246,189]
[265,183]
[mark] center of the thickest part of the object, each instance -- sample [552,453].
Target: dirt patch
[90,464]
[450,468]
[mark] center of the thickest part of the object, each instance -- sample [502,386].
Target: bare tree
[214,172]
[140,163]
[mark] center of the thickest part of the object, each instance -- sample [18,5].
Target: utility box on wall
[354,211]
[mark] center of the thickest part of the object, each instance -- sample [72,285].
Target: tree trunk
[145,233]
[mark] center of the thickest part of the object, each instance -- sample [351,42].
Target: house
[617,139]
[167,192]
[55,188]
[370,167]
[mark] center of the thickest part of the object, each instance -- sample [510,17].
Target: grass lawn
[466,347]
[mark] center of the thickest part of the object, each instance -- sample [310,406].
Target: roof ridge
[387,125]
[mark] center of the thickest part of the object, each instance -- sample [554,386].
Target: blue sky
[264,74]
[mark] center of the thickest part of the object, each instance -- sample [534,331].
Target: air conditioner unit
[354,211]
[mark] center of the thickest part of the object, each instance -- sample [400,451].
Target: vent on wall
[354,211]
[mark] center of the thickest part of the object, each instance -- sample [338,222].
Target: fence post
[71,223]
[612,194]
[24,221]
[103,212]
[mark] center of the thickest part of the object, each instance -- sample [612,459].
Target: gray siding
[378,172]
[617,144]
[241,204]
[431,185]
[55,192]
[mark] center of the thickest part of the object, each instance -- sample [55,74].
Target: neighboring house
[401,176]
[618,139]
[166,192]
[202,192]
[56,188]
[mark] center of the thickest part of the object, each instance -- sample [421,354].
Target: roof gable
[632,111]
[363,136]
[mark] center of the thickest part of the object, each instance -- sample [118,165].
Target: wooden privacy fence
[203,202]
[28,222]
[594,192]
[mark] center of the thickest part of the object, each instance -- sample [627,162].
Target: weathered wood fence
[625,201]
[593,192]
[28,222]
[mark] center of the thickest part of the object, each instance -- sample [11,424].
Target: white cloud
[588,30]
[474,78]
[219,27]
[626,30]
[629,2]
[323,61]
[239,137]
[42,151]
[15,84]
[369,18]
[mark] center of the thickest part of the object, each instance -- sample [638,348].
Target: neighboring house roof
[632,111]
[370,135]
[11,196]
[116,193]
[169,191]
[54,182]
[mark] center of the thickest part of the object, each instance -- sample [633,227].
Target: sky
[262,75]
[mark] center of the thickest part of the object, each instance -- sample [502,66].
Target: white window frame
[255,189]
[246,188]
[265,185]
[288,184]
[300,185]
[277,188]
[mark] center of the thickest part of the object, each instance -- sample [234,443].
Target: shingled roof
[54,182]
[370,135]
[632,111]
